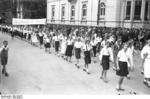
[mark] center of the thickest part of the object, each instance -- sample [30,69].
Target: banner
[16,21]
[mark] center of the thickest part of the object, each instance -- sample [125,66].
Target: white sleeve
[101,54]
[143,52]
[111,54]
[119,54]
[0,49]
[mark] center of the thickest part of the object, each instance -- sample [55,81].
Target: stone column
[143,10]
[18,9]
[132,13]
[21,10]
[123,14]
[149,11]
[132,10]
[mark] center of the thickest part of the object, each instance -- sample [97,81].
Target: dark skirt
[29,37]
[25,35]
[12,34]
[78,53]
[105,62]
[4,61]
[69,50]
[123,69]
[47,45]
[87,57]
[98,47]
[94,51]
[41,40]
[56,46]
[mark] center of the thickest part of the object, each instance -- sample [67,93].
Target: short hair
[5,42]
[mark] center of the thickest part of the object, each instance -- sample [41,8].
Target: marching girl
[116,48]
[130,52]
[122,66]
[98,40]
[41,36]
[29,35]
[94,43]
[57,44]
[12,33]
[103,43]
[87,55]
[4,57]
[47,44]
[34,39]
[106,55]
[145,55]
[63,46]
[69,49]
[78,45]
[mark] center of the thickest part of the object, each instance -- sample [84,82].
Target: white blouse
[122,55]
[103,43]
[145,50]
[69,42]
[87,47]
[93,43]
[78,45]
[2,47]
[106,51]
[56,38]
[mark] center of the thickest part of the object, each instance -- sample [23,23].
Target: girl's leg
[145,81]
[120,83]
[4,70]
[148,82]
[105,76]
[70,59]
[87,69]
[49,51]
[45,49]
[129,69]
[102,74]
[84,68]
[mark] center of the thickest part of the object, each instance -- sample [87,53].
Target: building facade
[103,13]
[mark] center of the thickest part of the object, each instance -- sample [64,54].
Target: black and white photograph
[74,47]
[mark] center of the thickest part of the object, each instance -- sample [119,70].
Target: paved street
[32,71]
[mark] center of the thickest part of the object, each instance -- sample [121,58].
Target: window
[63,13]
[84,11]
[128,10]
[72,13]
[146,10]
[102,11]
[137,12]
[53,12]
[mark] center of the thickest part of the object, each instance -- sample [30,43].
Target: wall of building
[114,15]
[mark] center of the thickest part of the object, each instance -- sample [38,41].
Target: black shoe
[3,72]
[6,74]
[142,72]
[128,77]
[145,82]
[120,89]
[88,72]
[84,69]
[114,69]
[101,78]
